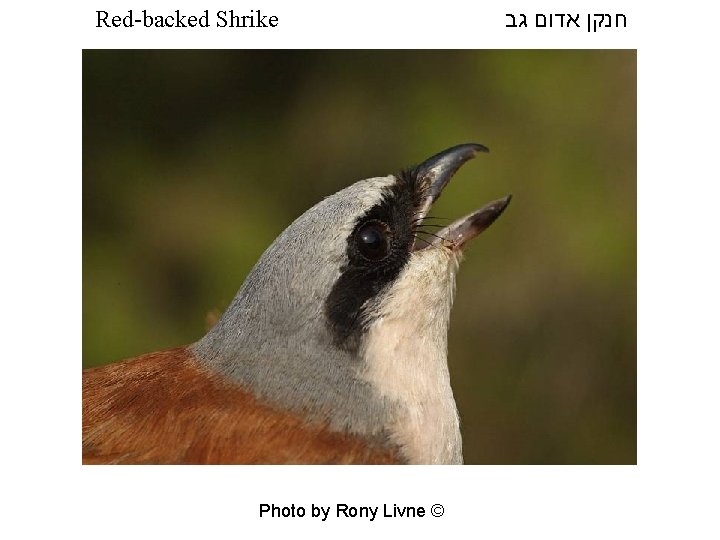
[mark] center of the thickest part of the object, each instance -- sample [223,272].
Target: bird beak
[434,174]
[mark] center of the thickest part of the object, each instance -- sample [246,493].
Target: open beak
[434,174]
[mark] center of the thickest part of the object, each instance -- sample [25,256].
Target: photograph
[359,256]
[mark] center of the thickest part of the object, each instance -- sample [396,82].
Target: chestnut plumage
[334,350]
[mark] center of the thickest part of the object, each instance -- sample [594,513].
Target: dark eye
[372,240]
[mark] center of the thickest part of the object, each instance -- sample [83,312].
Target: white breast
[405,353]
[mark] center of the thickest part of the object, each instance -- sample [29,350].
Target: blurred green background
[193,161]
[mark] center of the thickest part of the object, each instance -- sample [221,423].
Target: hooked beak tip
[435,172]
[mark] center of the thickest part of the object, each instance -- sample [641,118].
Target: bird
[333,351]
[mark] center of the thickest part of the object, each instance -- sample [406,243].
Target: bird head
[345,315]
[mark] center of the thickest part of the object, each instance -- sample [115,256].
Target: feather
[165,407]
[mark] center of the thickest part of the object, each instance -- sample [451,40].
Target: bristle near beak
[434,174]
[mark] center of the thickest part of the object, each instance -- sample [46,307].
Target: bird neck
[297,370]
[405,359]
[395,389]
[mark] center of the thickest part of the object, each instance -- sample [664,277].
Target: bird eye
[372,240]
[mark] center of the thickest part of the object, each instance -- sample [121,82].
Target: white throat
[405,353]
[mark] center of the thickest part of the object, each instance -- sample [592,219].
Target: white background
[672,492]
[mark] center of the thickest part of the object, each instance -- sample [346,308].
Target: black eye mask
[377,250]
